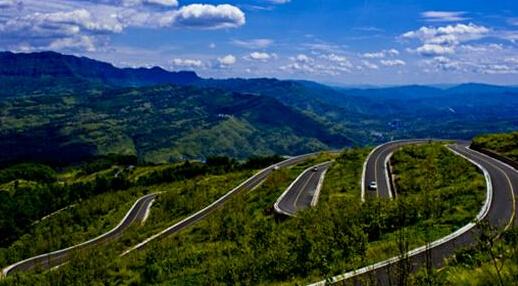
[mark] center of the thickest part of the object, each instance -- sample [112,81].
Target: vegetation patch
[245,242]
[505,144]
[493,260]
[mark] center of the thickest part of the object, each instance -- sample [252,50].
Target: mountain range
[62,108]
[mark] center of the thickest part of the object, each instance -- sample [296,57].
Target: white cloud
[512,60]
[278,1]
[450,35]
[168,3]
[187,63]
[393,63]
[443,16]
[297,67]
[260,56]
[500,69]
[302,58]
[370,65]
[368,29]
[438,41]
[80,43]
[392,52]
[329,64]
[42,23]
[376,55]
[62,30]
[442,63]
[481,48]
[207,16]
[488,58]
[135,3]
[511,36]
[253,43]
[227,60]
[323,47]
[7,3]
[67,23]
[343,62]
[336,58]
[381,54]
[434,50]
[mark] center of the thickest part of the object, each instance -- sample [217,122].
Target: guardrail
[62,253]
[364,171]
[316,195]
[495,155]
[480,216]
[276,204]
[193,218]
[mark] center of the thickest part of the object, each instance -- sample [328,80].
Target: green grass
[158,124]
[99,214]
[447,191]
[505,144]
[245,242]
[88,219]
[343,177]
[474,264]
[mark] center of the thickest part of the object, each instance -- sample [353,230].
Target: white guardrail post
[480,216]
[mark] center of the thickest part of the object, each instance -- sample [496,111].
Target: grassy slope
[158,124]
[244,242]
[449,189]
[473,265]
[505,144]
[101,213]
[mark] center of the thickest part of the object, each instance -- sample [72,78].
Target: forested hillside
[50,72]
[245,241]
[158,124]
[505,144]
[78,108]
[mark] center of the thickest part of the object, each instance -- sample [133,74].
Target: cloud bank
[85,24]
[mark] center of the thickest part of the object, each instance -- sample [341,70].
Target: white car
[275,168]
[373,185]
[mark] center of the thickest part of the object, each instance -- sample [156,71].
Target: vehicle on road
[275,168]
[315,169]
[373,186]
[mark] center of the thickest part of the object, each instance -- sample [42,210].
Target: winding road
[375,168]
[249,184]
[137,213]
[499,210]
[304,190]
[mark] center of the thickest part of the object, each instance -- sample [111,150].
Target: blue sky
[332,41]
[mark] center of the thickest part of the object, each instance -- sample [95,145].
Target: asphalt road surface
[375,168]
[501,213]
[48,260]
[301,192]
[249,184]
[138,213]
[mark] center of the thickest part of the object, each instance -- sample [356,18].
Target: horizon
[331,42]
[330,84]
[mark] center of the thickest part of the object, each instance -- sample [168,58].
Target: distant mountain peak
[473,87]
[32,66]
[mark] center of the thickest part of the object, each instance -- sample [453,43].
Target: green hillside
[25,74]
[158,124]
[505,144]
[244,242]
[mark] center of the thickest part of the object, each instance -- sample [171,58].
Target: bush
[28,171]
